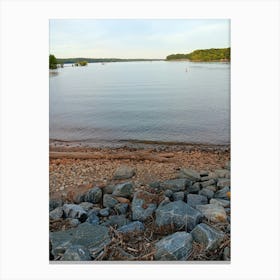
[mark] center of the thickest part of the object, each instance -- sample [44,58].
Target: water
[158,101]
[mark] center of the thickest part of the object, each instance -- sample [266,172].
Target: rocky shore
[128,216]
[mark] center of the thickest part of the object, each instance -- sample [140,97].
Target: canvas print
[139,140]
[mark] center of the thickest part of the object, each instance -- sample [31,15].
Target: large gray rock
[206,192]
[109,201]
[175,247]
[189,174]
[93,195]
[223,183]
[196,199]
[213,212]
[143,205]
[116,220]
[178,196]
[57,213]
[208,183]
[131,227]
[221,202]
[210,237]
[223,193]
[175,185]
[194,188]
[124,172]
[75,212]
[123,190]
[177,214]
[76,253]
[92,237]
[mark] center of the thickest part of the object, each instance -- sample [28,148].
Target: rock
[124,172]
[206,192]
[122,199]
[205,178]
[94,195]
[223,183]
[73,222]
[212,188]
[223,193]
[74,211]
[104,212]
[168,193]
[204,173]
[143,205]
[76,253]
[79,198]
[86,206]
[131,227]
[123,190]
[93,219]
[109,201]
[92,237]
[189,174]
[174,247]
[196,199]
[108,189]
[57,213]
[208,183]
[222,173]
[226,254]
[210,237]
[155,186]
[116,220]
[175,185]
[94,210]
[54,203]
[164,202]
[177,214]
[178,196]
[227,165]
[221,202]
[194,188]
[213,212]
[121,208]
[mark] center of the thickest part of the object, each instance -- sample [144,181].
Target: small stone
[174,247]
[61,188]
[86,206]
[196,199]
[54,203]
[74,211]
[226,254]
[194,188]
[168,193]
[108,189]
[116,220]
[189,174]
[131,227]
[76,253]
[109,201]
[121,208]
[222,173]
[104,212]
[123,190]
[223,183]
[206,192]
[94,195]
[178,196]
[223,193]
[175,185]
[221,202]
[213,212]
[208,183]
[93,219]
[124,172]
[164,202]
[227,165]
[210,237]
[73,222]
[212,188]
[155,186]
[57,213]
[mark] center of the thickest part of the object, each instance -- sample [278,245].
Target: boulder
[86,206]
[109,201]
[54,203]
[223,183]
[76,253]
[221,202]
[131,227]
[213,212]
[92,237]
[196,199]
[57,213]
[93,219]
[178,196]
[108,189]
[194,188]
[121,208]
[124,172]
[208,183]
[143,205]
[174,247]
[175,185]
[206,192]
[222,173]
[116,220]
[223,193]
[104,212]
[210,237]
[177,214]
[168,193]
[123,190]
[189,174]
[74,211]
[93,195]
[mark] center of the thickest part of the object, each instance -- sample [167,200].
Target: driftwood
[136,155]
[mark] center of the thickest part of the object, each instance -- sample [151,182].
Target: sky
[135,38]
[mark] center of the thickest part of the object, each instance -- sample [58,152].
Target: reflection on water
[158,101]
[53,73]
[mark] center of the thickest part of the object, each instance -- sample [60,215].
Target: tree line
[203,55]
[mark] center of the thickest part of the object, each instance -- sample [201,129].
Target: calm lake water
[158,101]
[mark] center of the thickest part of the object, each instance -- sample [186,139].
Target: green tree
[52,62]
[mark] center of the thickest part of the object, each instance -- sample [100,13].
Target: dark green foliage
[99,60]
[83,63]
[52,62]
[204,55]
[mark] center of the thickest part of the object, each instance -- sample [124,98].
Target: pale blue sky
[135,38]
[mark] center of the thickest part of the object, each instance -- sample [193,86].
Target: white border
[255,138]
